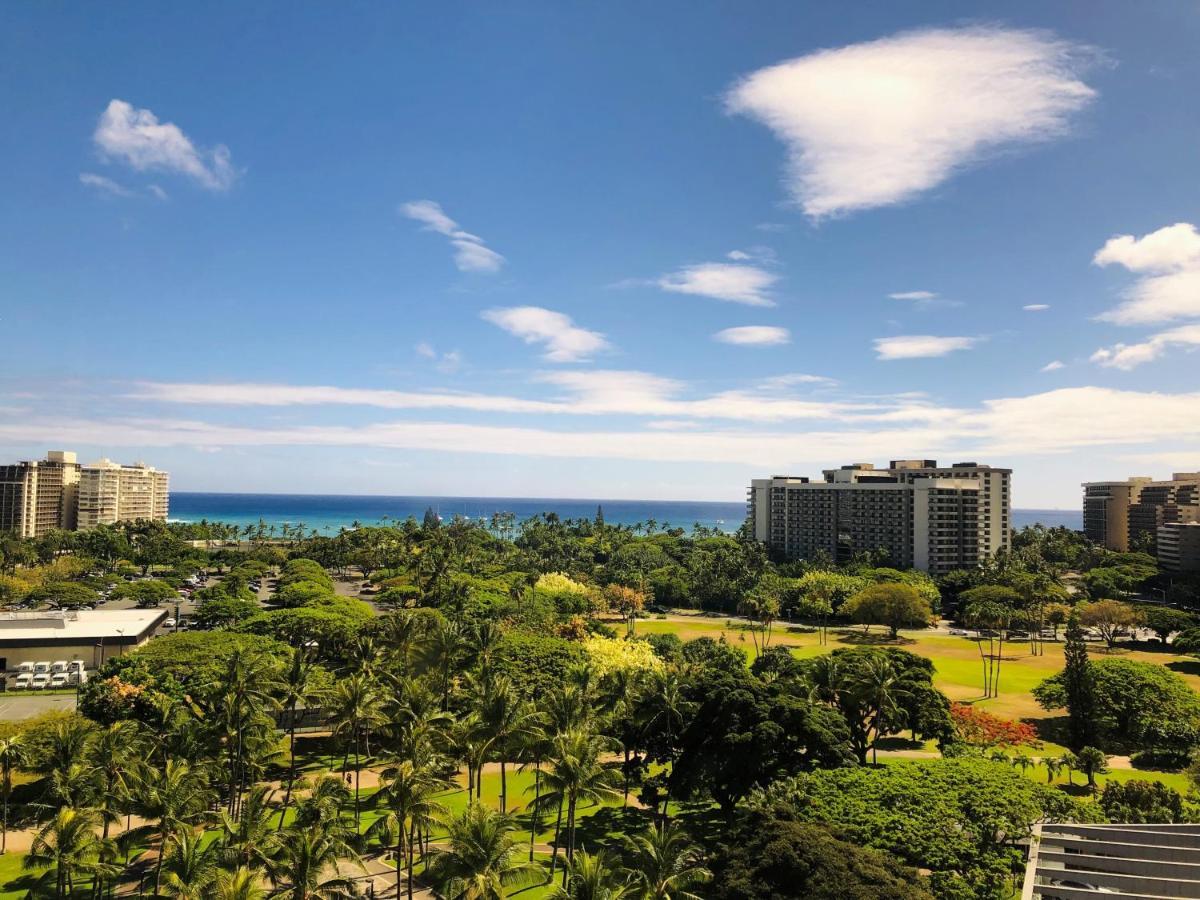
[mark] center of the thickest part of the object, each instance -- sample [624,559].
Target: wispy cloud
[103,185]
[1130,356]
[754,335]
[447,363]
[919,346]
[1053,366]
[924,300]
[1036,307]
[749,285]
[1169,262]
[471,254]
[563,339]
[878,123]
[137,138]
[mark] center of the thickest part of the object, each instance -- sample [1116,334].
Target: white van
[40,682]
[59,667]
[41,668]
[22,682]
[77,674]
[59,680]
[25,668]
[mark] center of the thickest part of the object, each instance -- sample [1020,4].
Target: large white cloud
[563,339]
[138,138]
[749,285]
[471,254]
[878,123]
[1169,262]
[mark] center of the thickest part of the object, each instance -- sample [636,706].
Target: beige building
[40,495]
[1179,546]
[110,492]
[1122,514]
[91,636]
[930,517]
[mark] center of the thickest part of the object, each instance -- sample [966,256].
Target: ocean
[328,513]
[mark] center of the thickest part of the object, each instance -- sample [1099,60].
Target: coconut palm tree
[296,691]
[879,691]
[251,838]
[590,876]
[12,754]
[356,709]
[502,718]
[482,859]
[323,806]
[532,748]
[577,775]
[665,865]
[172,798]
[409,795]
[306,865]
[240,884]
[191,866]
[1053,766]
[68,846]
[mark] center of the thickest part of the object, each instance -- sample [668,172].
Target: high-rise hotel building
[1123,514]
[930,517]
[57,492]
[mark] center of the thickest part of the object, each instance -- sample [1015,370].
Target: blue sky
[602,250]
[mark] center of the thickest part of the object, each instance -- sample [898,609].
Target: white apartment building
[38,496]
[933,518]
[110,492]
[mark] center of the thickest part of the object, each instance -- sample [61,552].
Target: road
[25,706]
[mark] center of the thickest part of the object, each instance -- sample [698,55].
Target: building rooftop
[82,626]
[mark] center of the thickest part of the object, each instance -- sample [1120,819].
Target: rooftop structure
[1113,862]
[89,635]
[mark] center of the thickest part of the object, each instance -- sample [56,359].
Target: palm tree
[666,865]
[502,719]
[115,753]
[69,846]
[247,687]
[190,867]
[250,839]
[533,746]
[306,855]
[576,775]
[483,858]
[591,877]
[1053,767]
[12,754]
[296,690]
[240,884]
[322,808]
[409,795]
[355,711]
[175,797]
[880,690]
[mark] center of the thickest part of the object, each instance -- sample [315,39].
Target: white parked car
[59,680]
[22,682]
[169,623]
[40,682]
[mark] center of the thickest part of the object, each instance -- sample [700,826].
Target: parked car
[58,667]
[76,673]
[170,623]
[22,682]
[40,682]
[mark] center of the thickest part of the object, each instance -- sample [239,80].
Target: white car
[22,682]
[169,623]
[40,682]
[58,667]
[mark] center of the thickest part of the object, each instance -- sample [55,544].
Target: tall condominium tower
[934,518]
[110,492]
[1123,514]
[39,495]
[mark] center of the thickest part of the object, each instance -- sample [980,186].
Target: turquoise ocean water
[327,513]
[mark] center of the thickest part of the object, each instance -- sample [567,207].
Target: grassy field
[959,672]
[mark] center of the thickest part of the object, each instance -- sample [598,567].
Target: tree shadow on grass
[599,829]
[1185,666]
[872,639]
[896,742]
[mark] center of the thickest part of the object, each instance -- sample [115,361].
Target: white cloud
[1172,247]
[1053,366]
[470,252]
[1169,262]
[1036,307]
[924,300]
[913,295]
[104,185]
[738,255]
[563,339]
[754,334]
[157,192]
[723,281]
[794,378]
[878,123]
[1130,356]
[918,346]
[137,138]
[447,363]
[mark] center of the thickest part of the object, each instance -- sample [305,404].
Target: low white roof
[84,625]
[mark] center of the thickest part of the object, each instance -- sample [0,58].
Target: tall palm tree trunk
[557,832]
